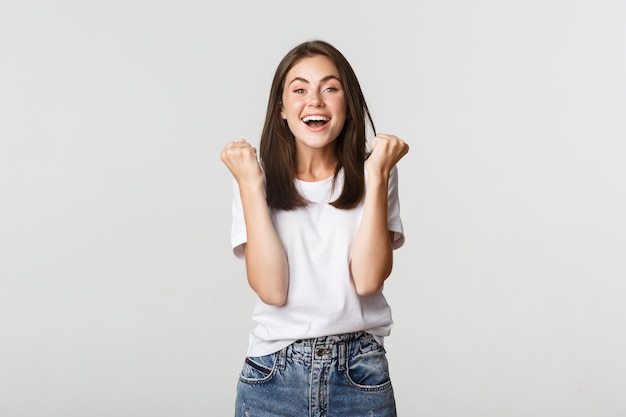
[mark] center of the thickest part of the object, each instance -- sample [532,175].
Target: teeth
[315,119]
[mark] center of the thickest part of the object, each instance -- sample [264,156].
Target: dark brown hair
[278,149]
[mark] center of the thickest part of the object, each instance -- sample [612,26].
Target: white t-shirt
[317,240]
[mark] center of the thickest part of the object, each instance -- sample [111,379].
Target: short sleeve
[394,222]
[238,234]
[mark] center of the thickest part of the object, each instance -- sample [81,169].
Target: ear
[282,112]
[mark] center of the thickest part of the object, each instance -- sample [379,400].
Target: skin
[313,87]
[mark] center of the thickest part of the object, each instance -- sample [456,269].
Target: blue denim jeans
[334,376]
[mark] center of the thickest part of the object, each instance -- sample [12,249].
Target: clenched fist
[387,150]
[241,159]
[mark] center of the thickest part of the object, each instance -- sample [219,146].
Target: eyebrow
[304,80]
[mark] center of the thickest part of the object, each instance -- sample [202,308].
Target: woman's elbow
[271,292]
[273,298]
[370,275]
[370,284]
[367,290]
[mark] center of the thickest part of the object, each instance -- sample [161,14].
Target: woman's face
[313,102]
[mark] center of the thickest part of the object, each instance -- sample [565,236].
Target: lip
[316,129]
[315,114]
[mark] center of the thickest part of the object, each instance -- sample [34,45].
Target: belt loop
[342,356]
[282,358]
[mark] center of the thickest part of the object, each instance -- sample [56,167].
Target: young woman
[317,221]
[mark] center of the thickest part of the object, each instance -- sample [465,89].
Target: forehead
[312,68]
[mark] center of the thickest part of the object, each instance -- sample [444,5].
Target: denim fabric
[333,376]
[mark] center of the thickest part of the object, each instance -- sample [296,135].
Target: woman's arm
[372,251]
[266,262]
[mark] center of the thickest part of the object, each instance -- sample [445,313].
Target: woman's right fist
[241,159]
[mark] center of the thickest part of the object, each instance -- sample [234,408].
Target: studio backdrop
[119,293]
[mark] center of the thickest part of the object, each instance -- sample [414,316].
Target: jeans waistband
[328,348]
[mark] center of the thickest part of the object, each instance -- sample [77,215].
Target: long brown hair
[278,149]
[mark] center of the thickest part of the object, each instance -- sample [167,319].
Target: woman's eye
[299,90]
[330,89]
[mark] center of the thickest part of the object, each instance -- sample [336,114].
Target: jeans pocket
[258,369]
[369,371]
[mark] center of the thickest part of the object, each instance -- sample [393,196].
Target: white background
[119,295]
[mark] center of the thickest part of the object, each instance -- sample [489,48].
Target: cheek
[342,107]
[290,109]
[292,124]
[343,111]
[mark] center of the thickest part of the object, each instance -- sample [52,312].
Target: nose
[315,99]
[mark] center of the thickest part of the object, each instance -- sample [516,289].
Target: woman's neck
[315,166]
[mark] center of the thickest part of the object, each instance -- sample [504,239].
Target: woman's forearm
[266,262]
[372,254]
